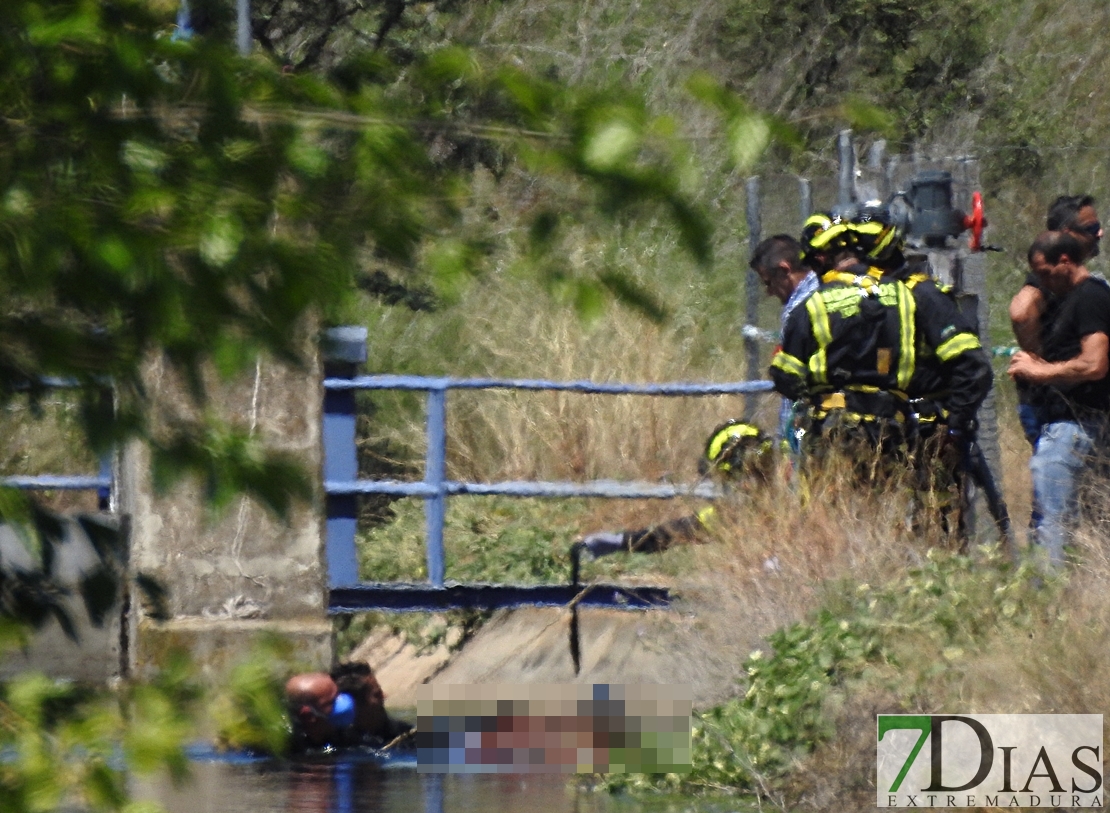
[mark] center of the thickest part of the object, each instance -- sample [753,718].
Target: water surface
[360,783]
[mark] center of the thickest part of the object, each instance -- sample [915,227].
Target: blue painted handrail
[59,482]
[102,483]
[342,486]
[414,382]
[613,489]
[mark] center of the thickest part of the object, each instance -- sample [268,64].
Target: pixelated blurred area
[553,728]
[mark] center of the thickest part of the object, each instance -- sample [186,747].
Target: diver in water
[372,724]
[342,709]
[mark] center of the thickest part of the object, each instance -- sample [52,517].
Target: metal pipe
[415,382]
[846,180]
[755,231]
[637,490]
[435,479]
[805,198]
[243,26]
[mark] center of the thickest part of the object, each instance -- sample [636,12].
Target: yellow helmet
[867,232]
[876,236]
[824,234]
[737,448]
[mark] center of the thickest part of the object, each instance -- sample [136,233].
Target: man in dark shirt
[1070,376]
[1032,304]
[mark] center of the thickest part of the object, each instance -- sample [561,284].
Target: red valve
[976,222]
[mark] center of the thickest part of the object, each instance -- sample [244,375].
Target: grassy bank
[825,605]
[863,617]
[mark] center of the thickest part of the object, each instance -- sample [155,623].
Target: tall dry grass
[575,436]
[1055,664]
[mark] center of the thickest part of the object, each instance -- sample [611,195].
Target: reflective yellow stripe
[791,365]
[871,388]
[870,227]
[827,235]
[960,343]
[822,332]
[820,415]
[906,361]
[736,430]
[883,234]
[820,220]
[706,516]
[866,281]
[914,279]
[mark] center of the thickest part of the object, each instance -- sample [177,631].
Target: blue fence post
[107,461]
[184,22]
[435,475]
[344,350]
[104,493]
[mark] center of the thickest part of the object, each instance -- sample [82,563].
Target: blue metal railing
[342,486]
[103,483]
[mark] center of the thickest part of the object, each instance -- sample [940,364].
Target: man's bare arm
[1092,364]
[1026,309]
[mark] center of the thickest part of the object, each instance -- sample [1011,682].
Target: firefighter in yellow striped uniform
[737,453]
[880,355]
[952,372]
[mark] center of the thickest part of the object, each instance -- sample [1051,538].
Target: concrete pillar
[244,573]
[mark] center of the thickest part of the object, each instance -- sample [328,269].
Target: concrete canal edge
[531,645]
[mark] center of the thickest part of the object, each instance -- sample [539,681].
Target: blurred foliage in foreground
[65,747]
[168,198]
[165,196]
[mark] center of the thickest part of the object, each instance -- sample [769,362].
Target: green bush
[897,637]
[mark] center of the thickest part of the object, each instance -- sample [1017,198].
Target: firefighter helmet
[875,236]
[737,448]
[824,235]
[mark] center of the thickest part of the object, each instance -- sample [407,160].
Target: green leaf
[588,300]
[114,252]
[100,591]
[143,157]
[867,117]
[220,241]
[611,145]
[748,137]
[452,64]
[14,634]
[155,597]
[307,155]
[452,264]
[627,291]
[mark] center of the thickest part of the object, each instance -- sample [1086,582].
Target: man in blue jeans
[1070,378]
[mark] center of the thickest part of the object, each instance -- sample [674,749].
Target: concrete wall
[243,573]
[95,656]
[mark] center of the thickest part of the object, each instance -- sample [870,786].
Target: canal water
[354,783]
